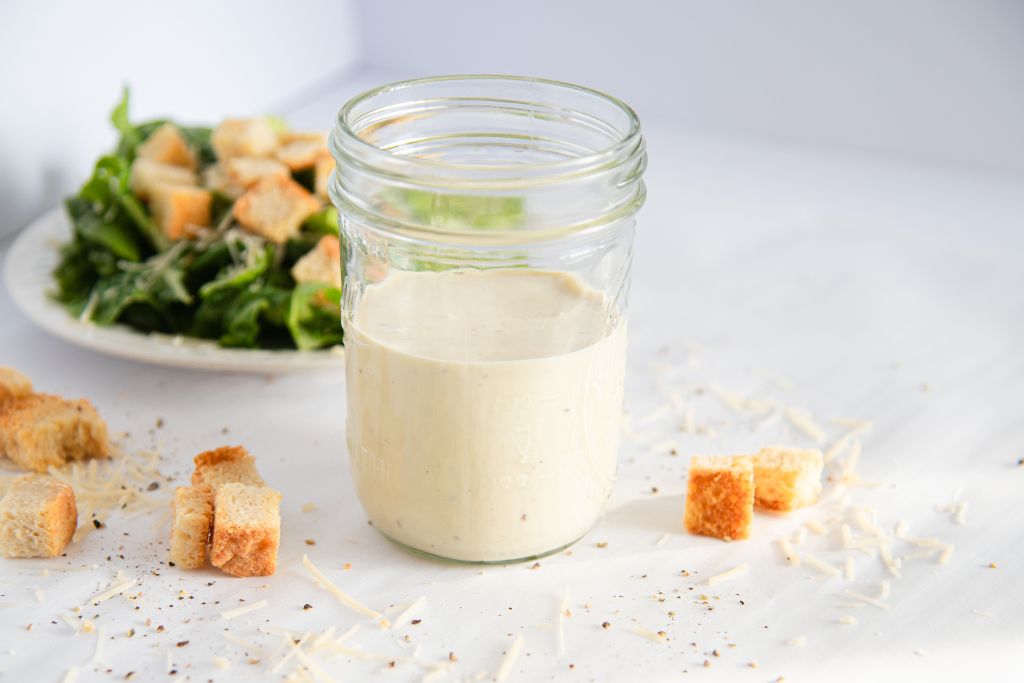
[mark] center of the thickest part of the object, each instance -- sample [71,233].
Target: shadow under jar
[488,225]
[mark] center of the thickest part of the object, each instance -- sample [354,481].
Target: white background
[884,288]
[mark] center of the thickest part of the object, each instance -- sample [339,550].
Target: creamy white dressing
[484,409]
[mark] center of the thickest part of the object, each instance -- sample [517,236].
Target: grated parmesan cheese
[849,569]
[947,553]
[563,612]
[867,599]
[71,675]
[788,552]
[838,447]
[799,536]
[343,597]
[798,641]
[885,552]
[820,565]
[659,637]
[293,647]
[40,595]
[661,541]
[847,620]
[435,675]
[804,423]
[884,589]
[115,590]
[409,612]
[221,663]
[510,659]
[245,609]
[960,517]
[816,527]
[725,576]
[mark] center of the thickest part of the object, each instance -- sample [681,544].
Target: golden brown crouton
[322,176]
[787,478]
[42,430]
[167,145]
[180,209]
[275,208]
[322,263]
[301,154]
[225,465]
[720,496]
[13,385]
[246,530]
[147,175]
[243,138]
[190,531]
[38,517]
[234,176]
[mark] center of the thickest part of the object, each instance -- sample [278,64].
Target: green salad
[220,233]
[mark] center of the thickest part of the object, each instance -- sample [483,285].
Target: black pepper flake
[310,541]
[170,564]
[153,486]
[535,565]
[181,643]
[159,422]
[160,629]
[129,676]
[97,523]
[416,622]
[307,607]
[715,653]
[606,625]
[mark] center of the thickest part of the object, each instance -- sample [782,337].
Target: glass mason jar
[488,225]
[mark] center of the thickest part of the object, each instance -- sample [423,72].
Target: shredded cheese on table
[820,565]
[510,658]
[409,612]
[725,576]
[115,590]
[792,559]
[849,569]
[798,641]
[847,620]
[245,609]
[804,423]
[71,676]
[816,527]
[293,647]
[868,600]
[947,553]
[343,597]
[659,637]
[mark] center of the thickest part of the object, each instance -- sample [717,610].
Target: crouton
[275,208]
[190,531]
[40,431]
[147,175]
[13,385]
[287,137]
[234,176]
[301,154]
[167,145]
[322,263]
[322,176]
[38,517]
[180,209]
[720,496]
[225,465]
[243,138]
[787,478]
[246,530]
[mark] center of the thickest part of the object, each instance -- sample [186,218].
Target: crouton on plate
[225,465]
[275,208]
[787,478]
[322,263]
[322,176]
[147,175]
[168,146]
[180,210]
[41,430]
[13,385]
[38,517]
[234,176]
[190,530]
[301,154]
[720,496]
[243,138]
[246,530]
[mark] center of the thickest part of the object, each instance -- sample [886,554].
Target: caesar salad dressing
[484,409]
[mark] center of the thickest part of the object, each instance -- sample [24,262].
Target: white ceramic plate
[34,255]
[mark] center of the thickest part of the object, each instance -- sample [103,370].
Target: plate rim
[34,251]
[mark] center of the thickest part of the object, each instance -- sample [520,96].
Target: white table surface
[879,289]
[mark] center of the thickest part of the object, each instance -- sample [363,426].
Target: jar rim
[626,144]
